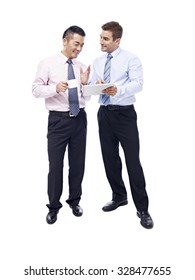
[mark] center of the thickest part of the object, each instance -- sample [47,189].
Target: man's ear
[118,41]
[64,42]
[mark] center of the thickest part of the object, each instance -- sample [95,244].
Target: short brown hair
[115,28]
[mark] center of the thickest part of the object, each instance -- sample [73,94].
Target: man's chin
[74,55]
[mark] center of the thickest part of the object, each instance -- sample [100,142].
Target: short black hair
[73,29]
[115,28]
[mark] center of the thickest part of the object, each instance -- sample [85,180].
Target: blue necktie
[72,92]
[106,97]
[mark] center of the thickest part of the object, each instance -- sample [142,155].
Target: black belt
[64,114]
[117,107]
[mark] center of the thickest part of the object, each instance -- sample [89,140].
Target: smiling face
[73,45]
[107,43]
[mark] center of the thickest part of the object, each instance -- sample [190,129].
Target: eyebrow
[105,38]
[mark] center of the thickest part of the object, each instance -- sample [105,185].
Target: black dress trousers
[119,126]
[65,131]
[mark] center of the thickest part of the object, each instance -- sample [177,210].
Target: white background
[161,33]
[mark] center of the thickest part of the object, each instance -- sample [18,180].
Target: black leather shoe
[112,205]
[77,210]
[52,216]
[146,220]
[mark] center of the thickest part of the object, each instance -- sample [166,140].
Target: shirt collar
[114,53]
[64,58]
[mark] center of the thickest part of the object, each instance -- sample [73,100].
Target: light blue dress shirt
[126,73]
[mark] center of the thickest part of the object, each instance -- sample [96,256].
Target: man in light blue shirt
[117,120]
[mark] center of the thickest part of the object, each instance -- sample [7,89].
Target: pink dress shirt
[50,72]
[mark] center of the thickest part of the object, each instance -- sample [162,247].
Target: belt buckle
[71,115]
[112,107]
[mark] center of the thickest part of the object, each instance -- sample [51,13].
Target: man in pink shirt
[59,81]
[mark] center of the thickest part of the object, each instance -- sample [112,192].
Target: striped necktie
[72,92]
[106,97]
